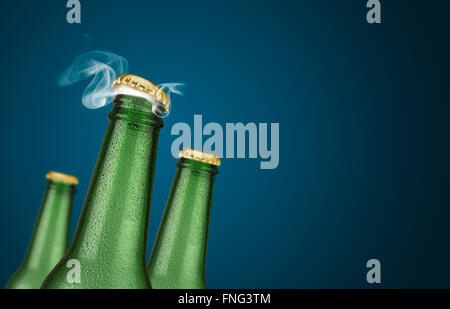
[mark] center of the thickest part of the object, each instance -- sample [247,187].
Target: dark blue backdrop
[364,131]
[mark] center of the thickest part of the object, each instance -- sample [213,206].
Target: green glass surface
[50,237]
[179,254]
[111,236]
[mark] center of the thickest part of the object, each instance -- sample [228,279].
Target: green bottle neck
[135,110]
[179,254]
[51,231]
[114,221]
[197,167]
[194,182]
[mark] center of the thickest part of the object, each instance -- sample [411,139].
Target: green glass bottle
[110,241]
[179,253]
[50,234]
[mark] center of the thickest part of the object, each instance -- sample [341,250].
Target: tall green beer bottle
[50,234]
[179,253]
[109,244]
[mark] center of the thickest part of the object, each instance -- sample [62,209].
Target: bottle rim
[134,85]
[198,155]
[61,177]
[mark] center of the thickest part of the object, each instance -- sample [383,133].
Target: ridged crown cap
[148,89]
[60,177]
[200,156]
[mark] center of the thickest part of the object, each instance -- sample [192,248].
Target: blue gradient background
[364,129]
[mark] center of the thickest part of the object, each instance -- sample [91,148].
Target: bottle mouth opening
[158,108]
[198,166]
[61,186]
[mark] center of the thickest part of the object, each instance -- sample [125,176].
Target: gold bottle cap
[60,177]
[201,156]
[132,84]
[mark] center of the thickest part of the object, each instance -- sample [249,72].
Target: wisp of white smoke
[104,67]
[168,88]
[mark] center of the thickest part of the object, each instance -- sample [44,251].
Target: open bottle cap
[201,156]
[60,177]
[134,85]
